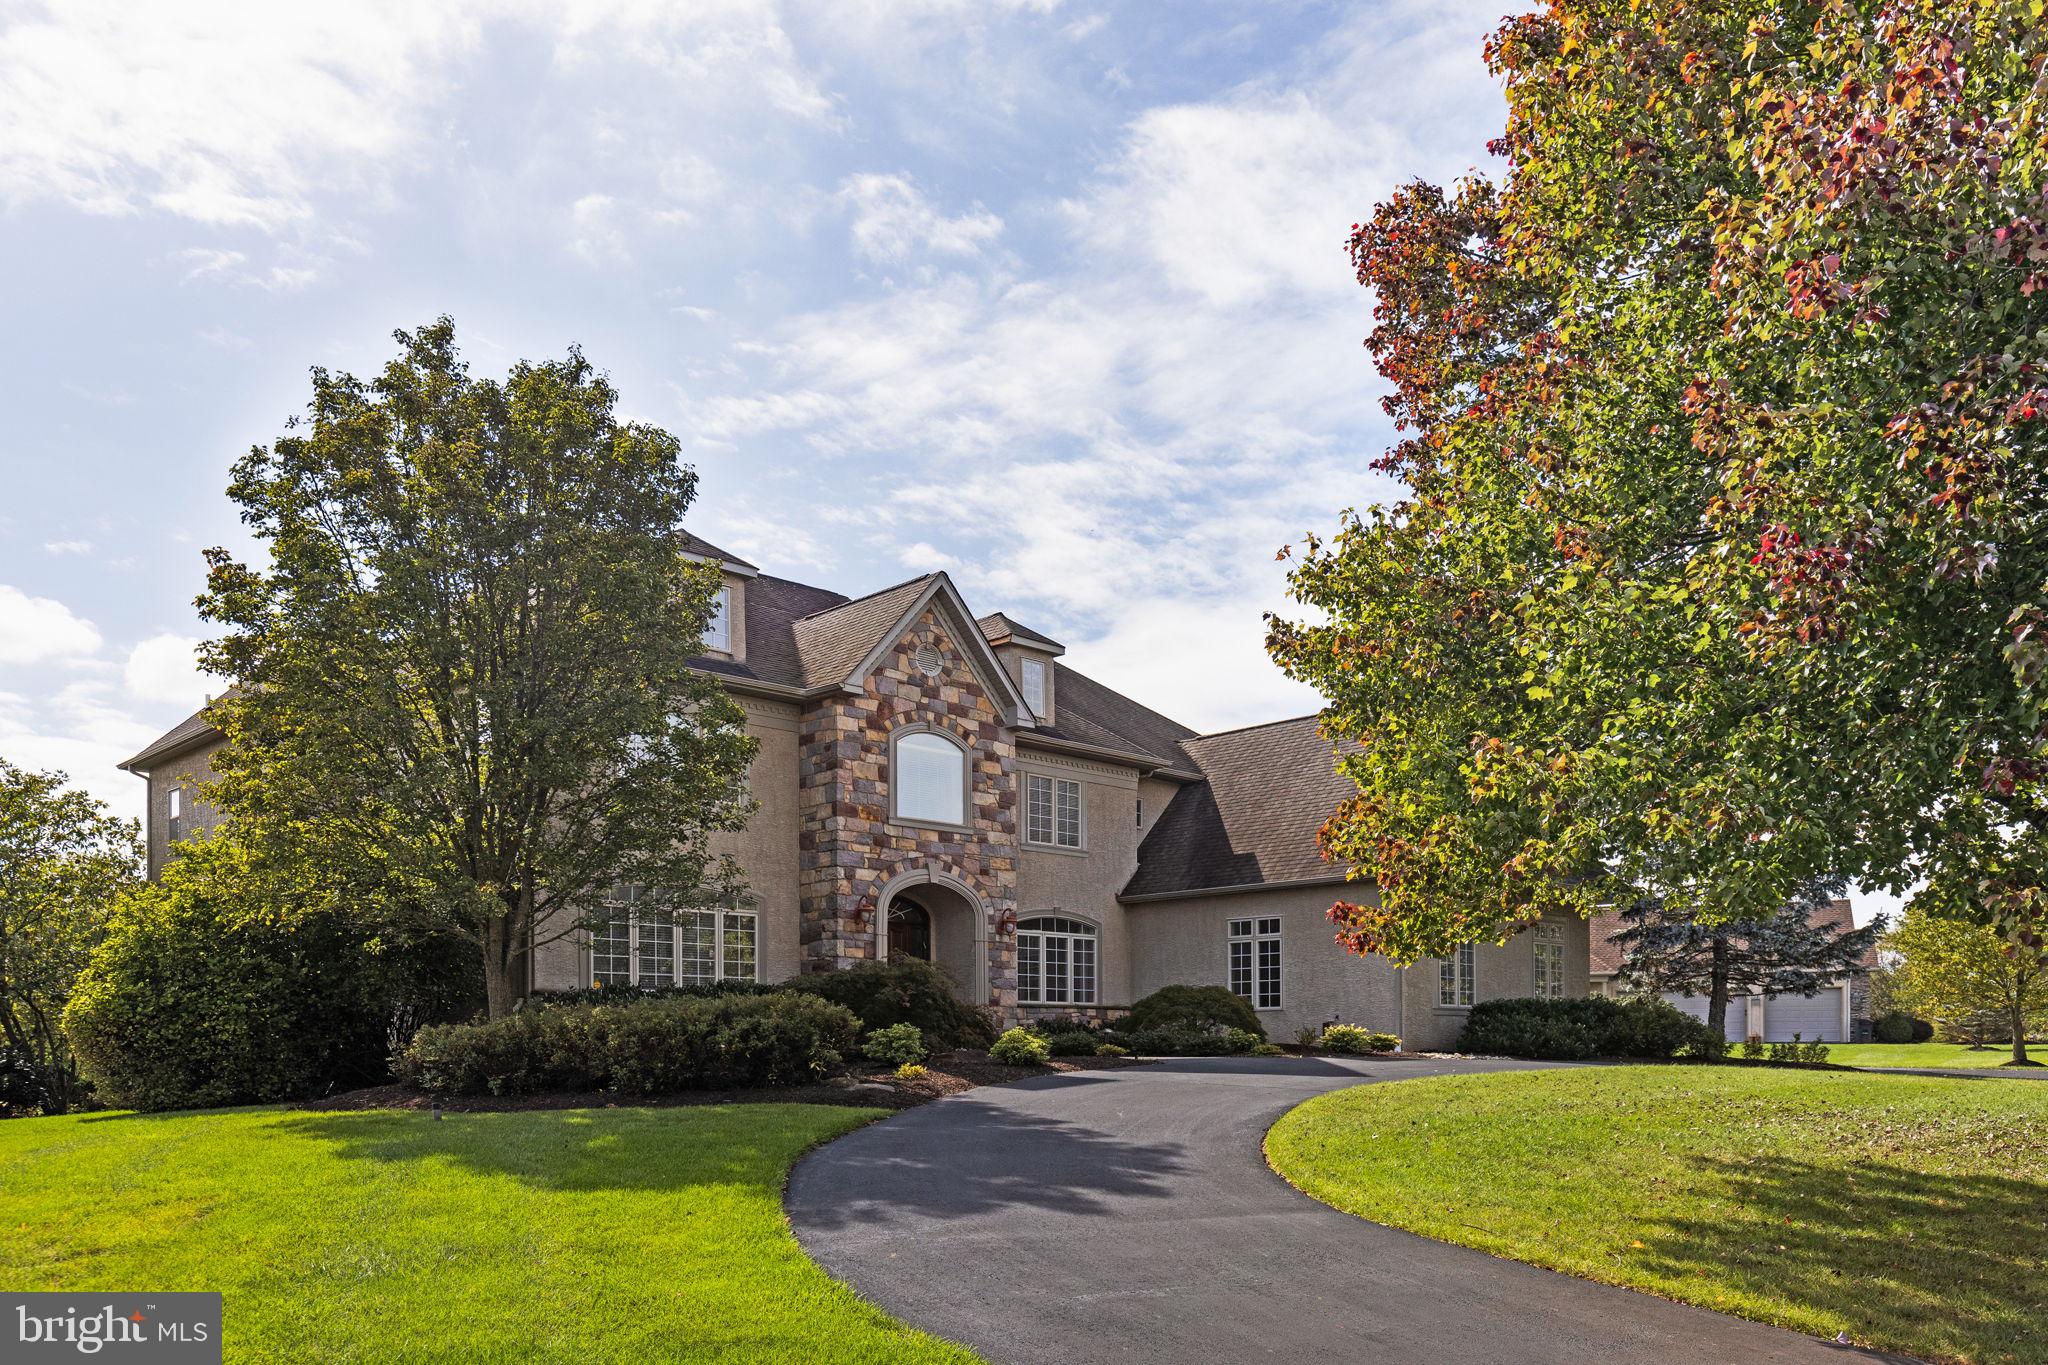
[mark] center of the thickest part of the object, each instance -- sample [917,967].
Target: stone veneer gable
[849,848]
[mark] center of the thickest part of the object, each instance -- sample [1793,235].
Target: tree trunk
[1717,992]
[501,992]
[2019,1032]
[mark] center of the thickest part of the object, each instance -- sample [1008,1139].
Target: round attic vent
[929,661]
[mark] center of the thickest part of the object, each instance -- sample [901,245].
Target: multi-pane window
[1034,686]
[175,809]
[930,779]
[1549,947]
[1052,811]
[1055,962]
[1454,978]
[1255,961]
[718,634]
[644,941]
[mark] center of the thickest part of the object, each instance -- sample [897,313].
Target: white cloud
[893,222]
[223,338]
[81,733]
[163,669]
[594,232]
[67,547]
[37,630]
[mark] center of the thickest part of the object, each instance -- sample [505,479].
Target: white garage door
[1696,1006]
[1817,1017]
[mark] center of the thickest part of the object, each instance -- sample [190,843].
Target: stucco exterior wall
[191,771]
[1187,942]
[1083,885]
[1500,971]
[766,851]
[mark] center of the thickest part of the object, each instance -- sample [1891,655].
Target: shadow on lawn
[1957,1264]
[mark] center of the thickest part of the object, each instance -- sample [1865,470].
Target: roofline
[1258,725]
[739,567]
[1147,763]
[821,611]
[941,584]
[155,753]
[1203,892]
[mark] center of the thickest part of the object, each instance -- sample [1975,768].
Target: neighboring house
[943,786]
[1839,1013]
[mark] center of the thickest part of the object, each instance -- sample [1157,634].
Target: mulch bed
[947,1073]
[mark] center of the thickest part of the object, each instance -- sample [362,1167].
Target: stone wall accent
[1860,1022]
[849,848]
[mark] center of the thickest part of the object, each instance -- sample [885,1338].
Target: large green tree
[64,861]
[1723,417]
[462,665]
[1969,979]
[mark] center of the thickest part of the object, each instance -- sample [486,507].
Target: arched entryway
[930,915]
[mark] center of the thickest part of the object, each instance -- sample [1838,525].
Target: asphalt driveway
[1129,1216]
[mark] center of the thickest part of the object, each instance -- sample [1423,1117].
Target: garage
[1816,1017]
[1696,1007]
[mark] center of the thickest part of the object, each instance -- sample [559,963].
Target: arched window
[1055,961]
[928,780]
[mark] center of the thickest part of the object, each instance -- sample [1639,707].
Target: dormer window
[928,779]
[1034,686]
[718,634]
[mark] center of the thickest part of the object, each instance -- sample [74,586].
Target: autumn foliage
[1723,415]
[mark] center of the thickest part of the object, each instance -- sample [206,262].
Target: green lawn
[627,1235]
[1923,1054]
[1910,1212]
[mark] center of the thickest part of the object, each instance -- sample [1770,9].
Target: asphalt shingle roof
[1253,820]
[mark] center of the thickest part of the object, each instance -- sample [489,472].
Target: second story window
[718,635]
[177,799]
[1052,812]
[928,779]
[1034,686]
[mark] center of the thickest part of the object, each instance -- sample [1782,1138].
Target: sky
[1052,296]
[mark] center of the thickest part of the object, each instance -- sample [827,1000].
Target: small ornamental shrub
[1923,1031]
[1111,1050]
[1049,1025]
[1269,1050]
[644,1047]
[1201,1008]
[1799,1051]
[1383,1042]
[1020,1047]
[1071,1043]
[1190,1042]
[1306,1036]
[1346,1040]
[1752,1049]
[1896,1027]
[1587,1026]
[897,1045]
[626,995]
[904,992]
[911,1071]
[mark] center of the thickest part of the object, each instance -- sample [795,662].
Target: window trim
[1093,936]
[1080,814]
[721,612]
[725,921]
[1547,937]
[1459,972]
[1039,709]
[1255,937]
[896,815]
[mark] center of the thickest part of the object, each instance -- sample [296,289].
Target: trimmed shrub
[905,992]
[1383,1042]
[626,995]
[1208,1009]
[911,1071]
[646,1047]
[1923,1031]
[1900,1027]
[896,1045]
[199,996]
[1346,1040]
[1111,1050]
[1587,1026]
[1020,1047]
[1071,1043]
[1051,1025]
[1190,1042]
[1269,1050]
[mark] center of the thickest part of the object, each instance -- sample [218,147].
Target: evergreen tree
[1667,948]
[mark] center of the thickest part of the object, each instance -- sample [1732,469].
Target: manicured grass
[626,1235]
[1951,1055]
[1910,1212]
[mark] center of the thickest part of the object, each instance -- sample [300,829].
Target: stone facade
[850,847]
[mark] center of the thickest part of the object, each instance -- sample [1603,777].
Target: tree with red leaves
[1723,415]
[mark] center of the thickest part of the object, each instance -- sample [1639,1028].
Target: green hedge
[909,992]
[643,1047]
[1189,1042]
[1588,1026]
[1205,1009]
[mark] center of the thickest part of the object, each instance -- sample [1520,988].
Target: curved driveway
[1129,1216]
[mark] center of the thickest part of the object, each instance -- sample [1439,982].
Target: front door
[910,930]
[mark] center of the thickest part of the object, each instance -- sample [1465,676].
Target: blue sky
[1050,295]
